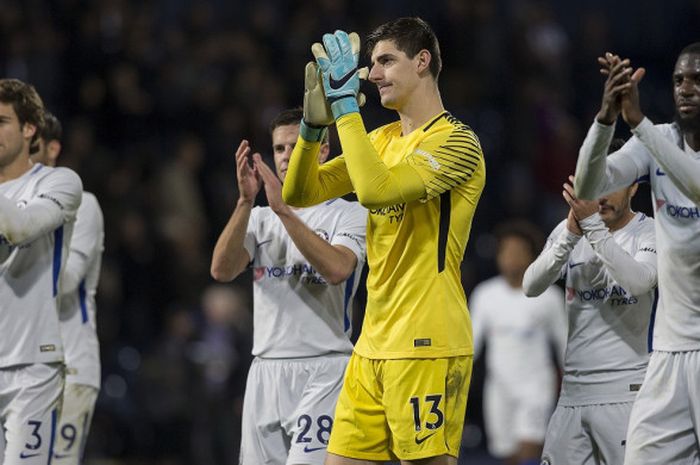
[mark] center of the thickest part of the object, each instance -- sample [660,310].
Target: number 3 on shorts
[435,417]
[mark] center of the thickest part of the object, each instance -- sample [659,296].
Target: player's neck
[515,282]
[621,222]
[692,138]
[16,168]
[424,104]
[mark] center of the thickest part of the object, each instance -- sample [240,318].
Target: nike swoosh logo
[60,456]
[340,83]
[659,172]
[574,265]
[420,441]
[263,242]
[23,455]
[308,449]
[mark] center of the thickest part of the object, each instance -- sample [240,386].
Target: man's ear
[423,59]
[323,153]
[28,130]
[53,149]
[633,189]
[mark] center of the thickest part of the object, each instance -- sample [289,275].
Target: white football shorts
[665,421]
[587,435]
[30,404]
[511,418]
[288,409]
[74,424]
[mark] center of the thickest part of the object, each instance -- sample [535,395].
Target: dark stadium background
[155,95]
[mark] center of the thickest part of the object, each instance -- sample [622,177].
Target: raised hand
[317,110]
[572,224]
[618,73]
[338,60]
[580,208]
[273,186]
[620,94]
[249,182]
[631,110]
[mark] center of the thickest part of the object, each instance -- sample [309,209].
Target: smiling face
[394,73]
[686,91]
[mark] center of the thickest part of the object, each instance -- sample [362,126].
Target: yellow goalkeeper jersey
[416,304]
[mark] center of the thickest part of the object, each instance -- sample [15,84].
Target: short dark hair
[411,35]
[522,229]
[27,104]
[290,117]
[693,48]
[53,130]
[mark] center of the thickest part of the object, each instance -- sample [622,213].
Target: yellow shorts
[405,409]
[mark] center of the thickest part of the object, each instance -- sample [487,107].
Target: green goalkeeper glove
[317,111]
[338,59]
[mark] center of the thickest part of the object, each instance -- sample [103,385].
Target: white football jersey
[520,333]
[41,204]
[296,312]
[607,349]
[677,217]
[82,273]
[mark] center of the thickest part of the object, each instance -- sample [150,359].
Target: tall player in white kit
[665,421]
[521,378]
[607,254]
[38,205]
[306,265]
[81,274]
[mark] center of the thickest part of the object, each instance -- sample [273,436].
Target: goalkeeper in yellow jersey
[405,389]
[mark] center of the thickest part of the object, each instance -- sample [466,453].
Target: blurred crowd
[155,95]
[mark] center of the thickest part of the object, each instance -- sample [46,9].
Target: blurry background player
[38,205]
[520,333]
[607,255]
[81,274]
[665,420]
[421,177]
[306,265]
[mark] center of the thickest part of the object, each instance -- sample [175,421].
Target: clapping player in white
[665,420]
[306,264]
[607,255]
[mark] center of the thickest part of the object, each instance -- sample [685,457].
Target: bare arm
[334,262]
[230,257]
